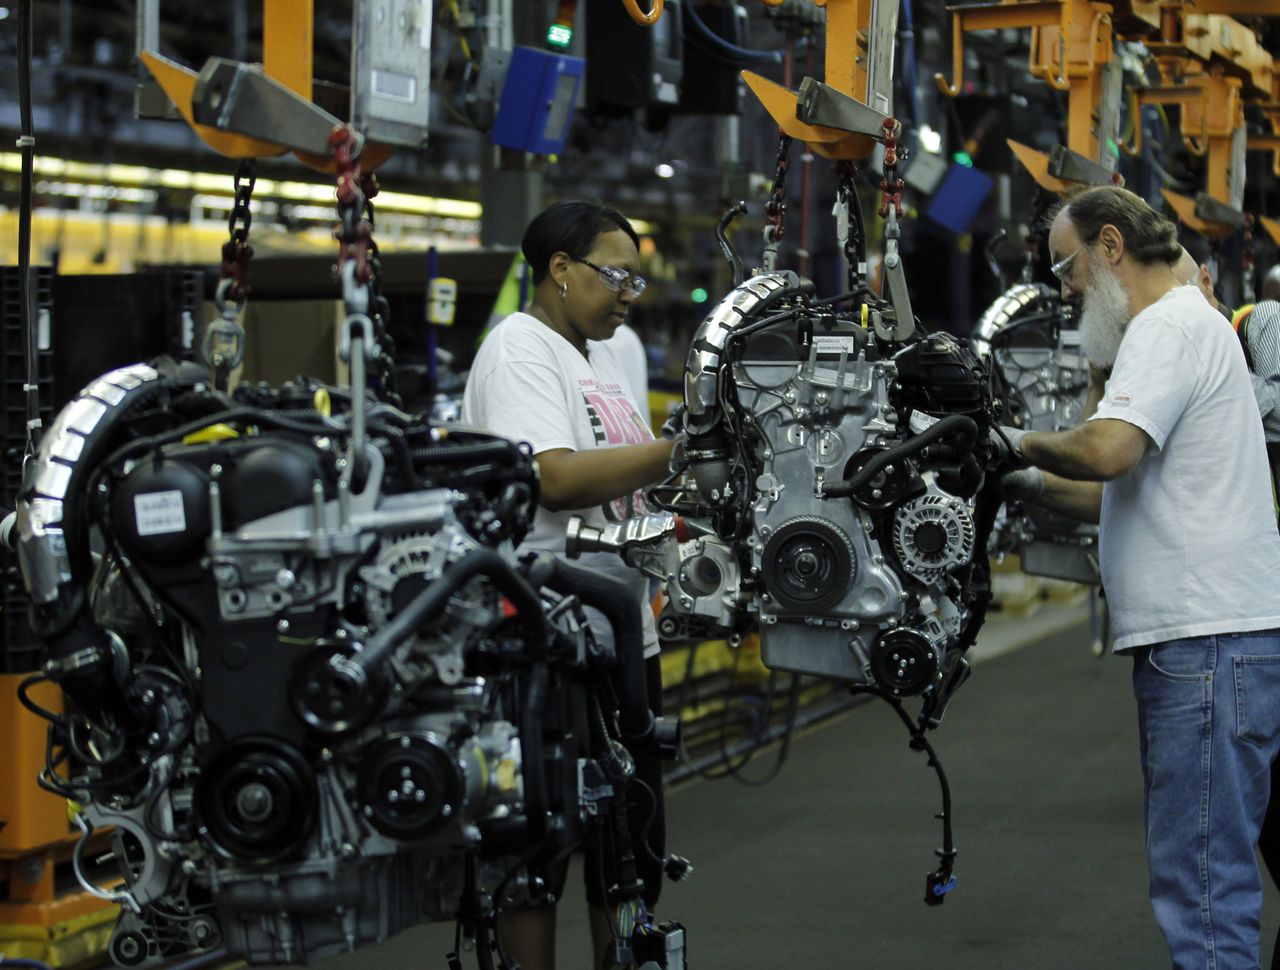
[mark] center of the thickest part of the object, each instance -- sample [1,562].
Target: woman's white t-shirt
[530,384]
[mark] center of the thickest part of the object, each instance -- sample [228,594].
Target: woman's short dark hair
[1148,236]
[571,227]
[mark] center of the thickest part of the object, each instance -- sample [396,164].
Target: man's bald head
[1186,270]
[1271,284]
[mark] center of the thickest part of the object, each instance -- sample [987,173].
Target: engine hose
[622,610]
[726,247]
[466,453]
[948,425]
[432,600]
[532,769]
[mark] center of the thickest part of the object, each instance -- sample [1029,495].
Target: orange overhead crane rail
[1210,65]
[287,56]
[1070,44]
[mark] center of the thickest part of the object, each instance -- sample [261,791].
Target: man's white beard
[1104,316]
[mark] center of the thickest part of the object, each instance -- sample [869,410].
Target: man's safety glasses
[1062,268]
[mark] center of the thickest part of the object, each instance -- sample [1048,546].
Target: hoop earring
[564,290]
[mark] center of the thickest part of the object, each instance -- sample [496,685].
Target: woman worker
[543,376]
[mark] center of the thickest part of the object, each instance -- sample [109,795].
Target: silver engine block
[831,498]
[1033,342]
[318,699]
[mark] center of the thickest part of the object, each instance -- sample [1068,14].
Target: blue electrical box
[957,200]
[537,100]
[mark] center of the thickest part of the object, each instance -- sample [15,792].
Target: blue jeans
[1209,729]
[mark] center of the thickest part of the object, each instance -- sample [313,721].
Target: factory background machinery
[841,207]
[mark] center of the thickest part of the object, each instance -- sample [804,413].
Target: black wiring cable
[728,51]
[727,766]
[648,822]
[919,742]
[24,699]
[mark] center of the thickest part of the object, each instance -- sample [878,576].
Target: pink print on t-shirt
[614,418]
[614,421]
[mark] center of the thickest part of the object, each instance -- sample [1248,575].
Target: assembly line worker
[1173,467]
[544,376]
[1258,329]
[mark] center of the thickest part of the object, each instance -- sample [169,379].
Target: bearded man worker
[1173,467]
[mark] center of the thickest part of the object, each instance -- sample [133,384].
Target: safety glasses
[617,279]
[1062,268]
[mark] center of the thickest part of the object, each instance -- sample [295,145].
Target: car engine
[308,683]
[1033,342]
[836,494]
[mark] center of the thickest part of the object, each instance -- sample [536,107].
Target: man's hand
[1025,485]
[1006,444]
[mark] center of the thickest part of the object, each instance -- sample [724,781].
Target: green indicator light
[699,295]
[558,35]
[963,158]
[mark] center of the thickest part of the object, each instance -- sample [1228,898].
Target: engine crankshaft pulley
[808,564]
[257,800]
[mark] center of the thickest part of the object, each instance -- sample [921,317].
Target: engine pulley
[257,800]
[325,699]
[808,564]
[887,487]
[409,785]
[903,662]
[932,535]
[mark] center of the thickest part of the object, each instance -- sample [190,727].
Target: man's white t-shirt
[1187,539]
[530,384]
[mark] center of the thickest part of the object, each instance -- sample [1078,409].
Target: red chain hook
[890,184]
[352,232]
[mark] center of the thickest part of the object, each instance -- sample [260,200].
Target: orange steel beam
[288,38]
[846,69]
[1070,43]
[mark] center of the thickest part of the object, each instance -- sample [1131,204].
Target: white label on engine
[832,343]
[159,513]
[921,422]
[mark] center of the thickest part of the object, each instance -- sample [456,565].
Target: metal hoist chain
[846,228]
[236,251]
[223,344]
[359,266]
[1247,257]
[891,193]
[775,210]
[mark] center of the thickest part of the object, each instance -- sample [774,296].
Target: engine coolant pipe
[622,610]
[707,447]
[952,424]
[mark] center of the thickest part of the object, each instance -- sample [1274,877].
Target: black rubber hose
[726,247]
[532,769]
[948,425]
[433,599]
[466,453]
[612,598]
